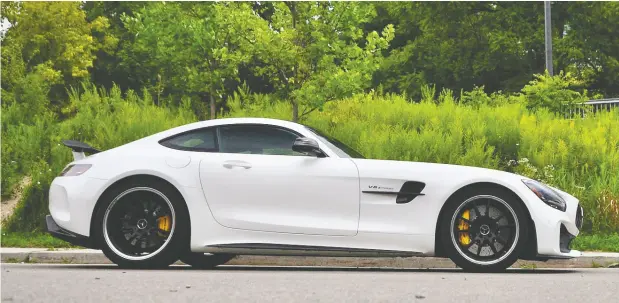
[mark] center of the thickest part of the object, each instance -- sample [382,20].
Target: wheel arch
[128,179]
[531,246]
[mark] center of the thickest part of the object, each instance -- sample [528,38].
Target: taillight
[75,170]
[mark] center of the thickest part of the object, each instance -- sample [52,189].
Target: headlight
[546,194]
[75,170]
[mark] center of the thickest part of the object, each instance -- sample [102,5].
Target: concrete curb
[90,256]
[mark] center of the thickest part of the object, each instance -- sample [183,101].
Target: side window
[198,140]
[256,139]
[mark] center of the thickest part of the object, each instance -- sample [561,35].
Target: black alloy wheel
[142,224]
[486,230]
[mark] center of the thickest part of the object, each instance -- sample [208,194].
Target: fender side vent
[409,191]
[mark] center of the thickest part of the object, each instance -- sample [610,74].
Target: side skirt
[302,250]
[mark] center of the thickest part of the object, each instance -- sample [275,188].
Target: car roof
[227,121]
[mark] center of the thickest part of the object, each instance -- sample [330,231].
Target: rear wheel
[142,224]
[484,230]
[206,261]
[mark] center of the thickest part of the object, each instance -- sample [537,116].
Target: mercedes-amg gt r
[205,192]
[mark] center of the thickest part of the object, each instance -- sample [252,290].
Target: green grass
[37,240]
[528,266]
[607,243]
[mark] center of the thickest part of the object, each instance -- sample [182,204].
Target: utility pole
[548,36]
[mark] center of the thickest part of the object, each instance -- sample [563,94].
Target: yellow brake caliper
[164,224]
[465,239]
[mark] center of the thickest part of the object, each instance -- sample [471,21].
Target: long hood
[444,173]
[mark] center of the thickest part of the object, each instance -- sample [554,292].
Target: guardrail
[590,107]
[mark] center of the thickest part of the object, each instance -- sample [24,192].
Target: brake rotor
[465,237]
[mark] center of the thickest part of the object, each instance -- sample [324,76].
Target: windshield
[338,147]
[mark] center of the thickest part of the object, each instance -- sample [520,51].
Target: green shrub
[552,92]
[27,123]
[29,215]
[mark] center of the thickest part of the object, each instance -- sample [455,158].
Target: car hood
[406,170]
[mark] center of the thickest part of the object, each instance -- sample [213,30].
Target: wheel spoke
[494,251]
[479,247]
[508,226]
[155,213]
[488,208]
[152,205]
[467,221]
[467,246]
[500,240]
[145,207]
[127,229]
[133,239]
[477,212]
[497,219]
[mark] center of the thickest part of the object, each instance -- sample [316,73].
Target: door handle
[236,163]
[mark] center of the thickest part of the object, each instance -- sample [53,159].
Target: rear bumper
[65,235]
[72,201]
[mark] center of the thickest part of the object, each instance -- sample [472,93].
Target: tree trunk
[295,111]
[213,110]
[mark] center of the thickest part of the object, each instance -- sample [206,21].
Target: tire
[128,224]
[481,243]
[205,261]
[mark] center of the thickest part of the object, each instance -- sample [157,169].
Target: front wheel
[484,230]
[142,224]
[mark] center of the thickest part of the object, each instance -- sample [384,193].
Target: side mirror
[307,146]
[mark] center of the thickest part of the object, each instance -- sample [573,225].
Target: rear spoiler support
[79,149]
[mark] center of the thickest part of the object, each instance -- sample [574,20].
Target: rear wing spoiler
[79,149]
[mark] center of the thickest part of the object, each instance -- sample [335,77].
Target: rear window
[197,140]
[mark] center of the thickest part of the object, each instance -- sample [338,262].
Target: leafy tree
[460,45]
[108,69]
[498,45]
[192,47]
[587,43]
[315,52]
[52,39]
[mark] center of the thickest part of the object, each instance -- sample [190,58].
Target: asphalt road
[87,283]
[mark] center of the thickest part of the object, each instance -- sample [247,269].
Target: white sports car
[208,191]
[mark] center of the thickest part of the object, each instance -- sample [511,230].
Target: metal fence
[590,107]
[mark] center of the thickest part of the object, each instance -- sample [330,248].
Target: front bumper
[65,235]
[554,241]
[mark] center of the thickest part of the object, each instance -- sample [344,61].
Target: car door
[256,182]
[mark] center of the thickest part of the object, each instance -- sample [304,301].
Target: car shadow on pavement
[316,268]
[383,269]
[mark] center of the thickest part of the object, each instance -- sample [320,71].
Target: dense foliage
[452,82]
[305,53]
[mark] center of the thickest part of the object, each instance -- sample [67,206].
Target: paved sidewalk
[91,256]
